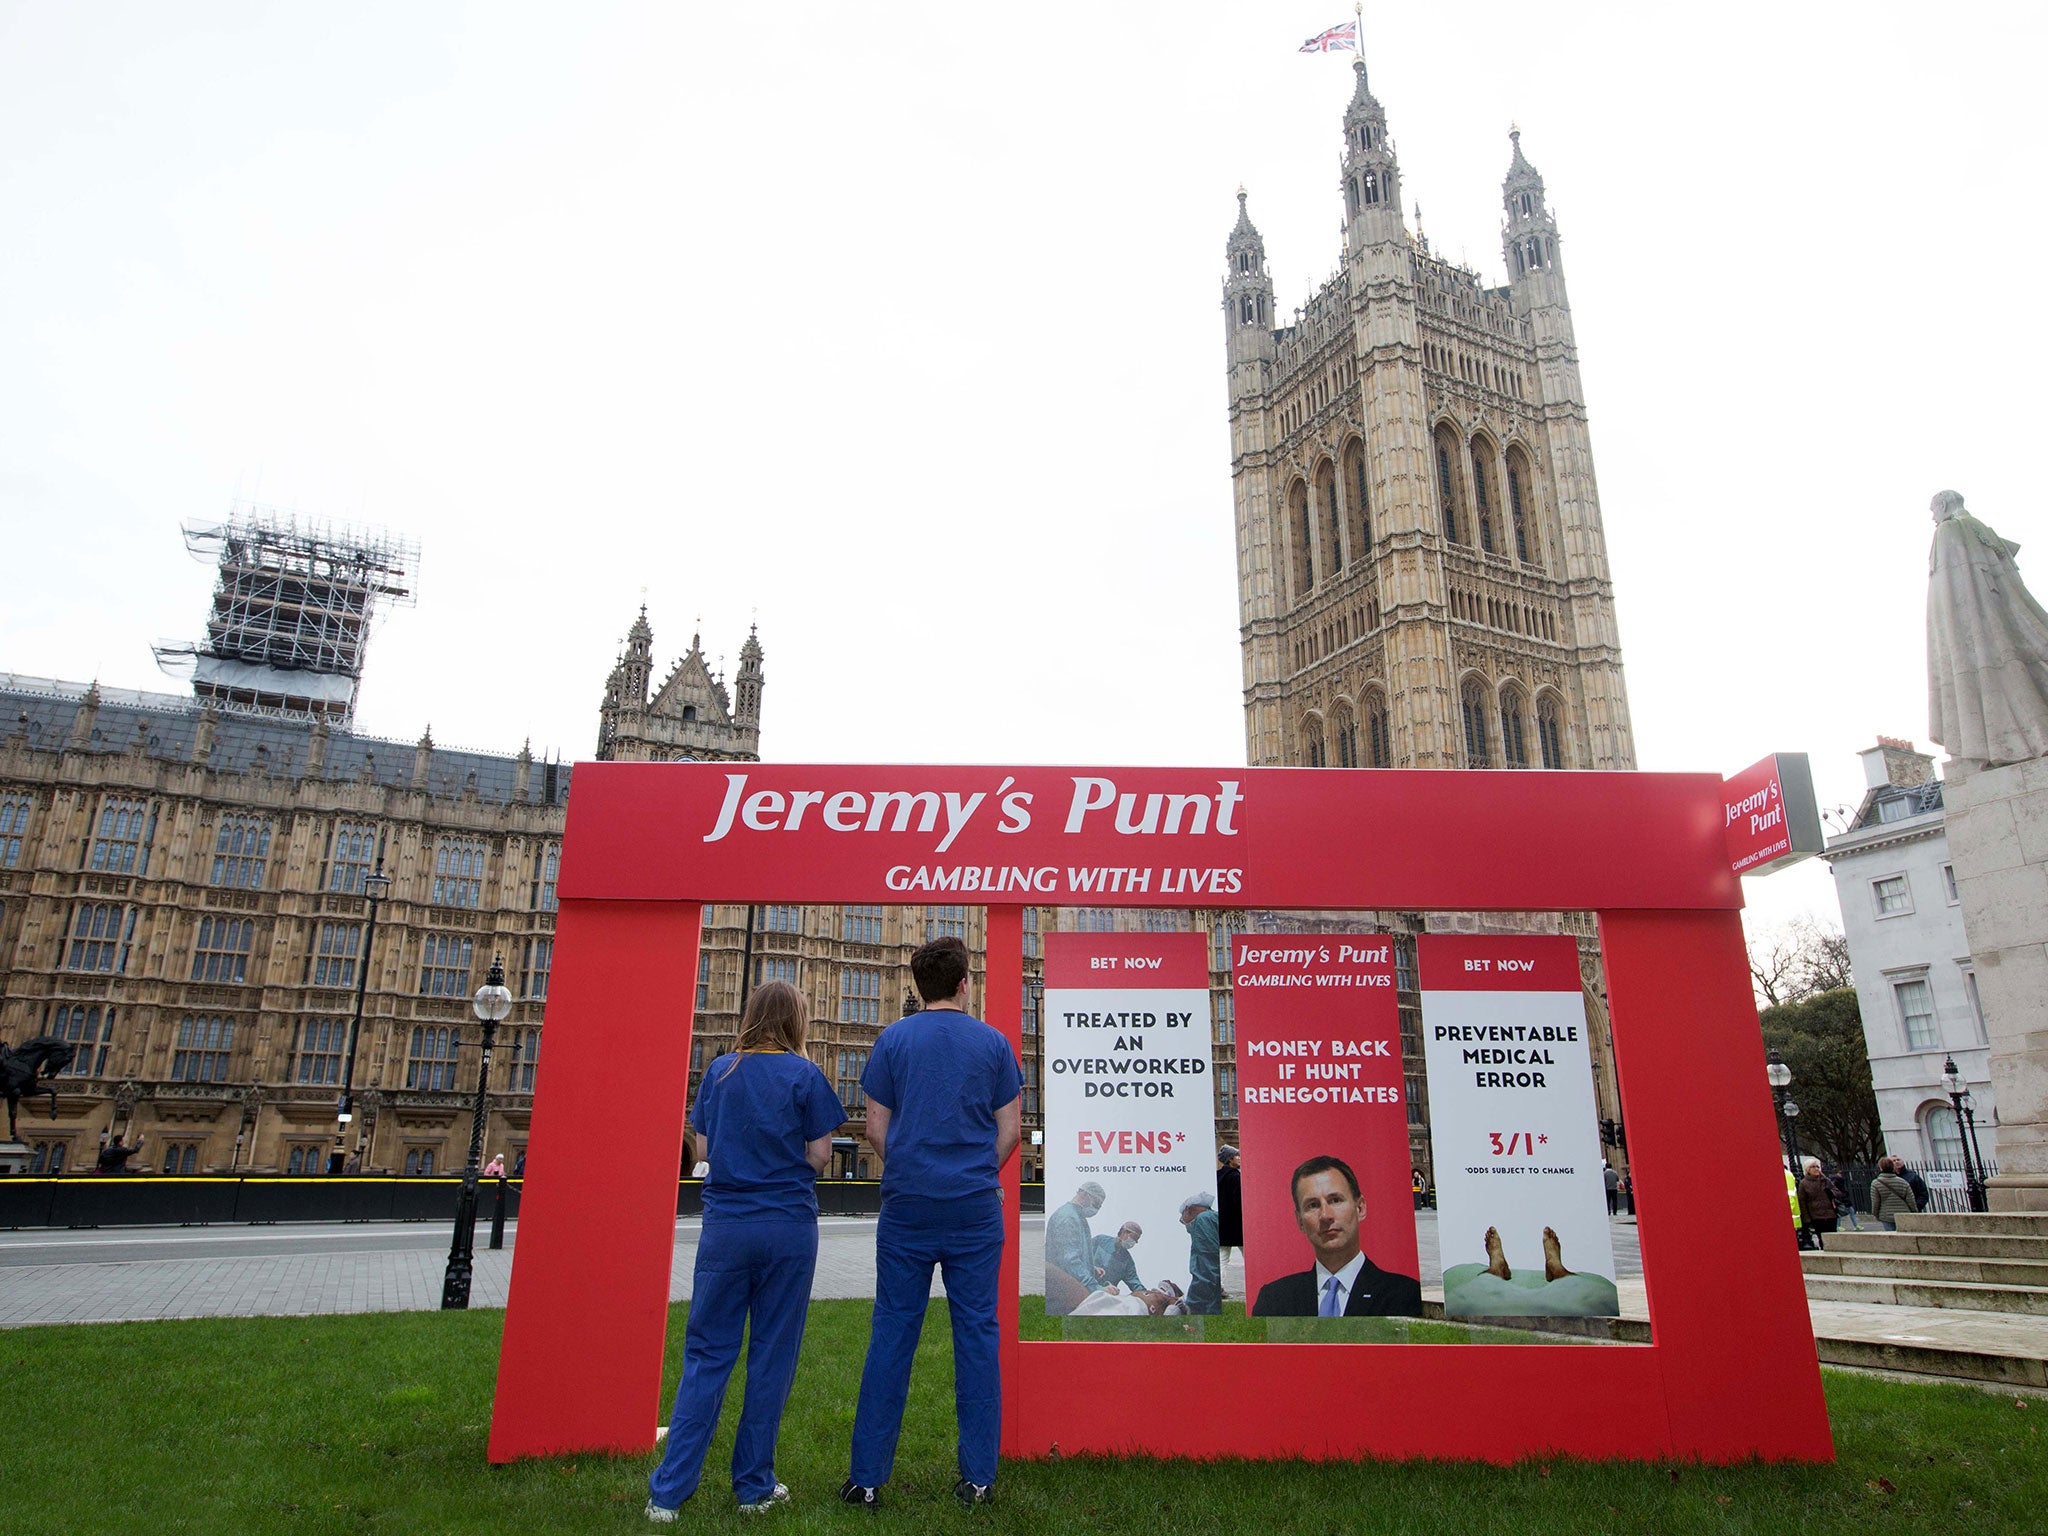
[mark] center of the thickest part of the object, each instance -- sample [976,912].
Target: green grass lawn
[377,1423]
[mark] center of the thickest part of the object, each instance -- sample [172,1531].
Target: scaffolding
[292,610]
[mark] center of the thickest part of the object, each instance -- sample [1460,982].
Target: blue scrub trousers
[965,1239]
[756,1274]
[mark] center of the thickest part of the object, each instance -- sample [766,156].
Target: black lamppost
[1959,1096]
[376,885]
[492,1002]
[1780,1078]
[1983,1168]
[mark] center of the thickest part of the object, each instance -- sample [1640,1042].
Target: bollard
[498,1216]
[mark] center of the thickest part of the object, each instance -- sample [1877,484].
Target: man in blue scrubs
[943,1109]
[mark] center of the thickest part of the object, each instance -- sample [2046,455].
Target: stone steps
[1951,1363]
[2004,1224]
[1939,1245]
[1990,1349]
[2021,1300]
[2026,1274]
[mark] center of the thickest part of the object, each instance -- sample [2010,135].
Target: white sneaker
[779,1495]
[660,1514]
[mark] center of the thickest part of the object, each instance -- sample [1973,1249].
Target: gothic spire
[1372,176]
[1529,239]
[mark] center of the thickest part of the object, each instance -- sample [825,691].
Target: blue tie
[1330,1308]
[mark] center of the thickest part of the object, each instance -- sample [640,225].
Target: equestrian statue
[21,1067]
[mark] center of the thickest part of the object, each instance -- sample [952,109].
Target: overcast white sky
[899,326]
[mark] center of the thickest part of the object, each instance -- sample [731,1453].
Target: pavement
[139,1273]
[126,1274]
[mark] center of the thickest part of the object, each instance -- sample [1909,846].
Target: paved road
[109,1275]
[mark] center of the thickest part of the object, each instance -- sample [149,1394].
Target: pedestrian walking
[1612,1180]
[1229,1207]
[1817,1202]
[768,1115]
[1913,1181]
[1845,1203]
[1891,1196]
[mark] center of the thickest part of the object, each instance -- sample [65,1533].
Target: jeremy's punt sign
[1770,816]
[1130,1119]
[1136,837]
[1320,1089]
[1521,1199]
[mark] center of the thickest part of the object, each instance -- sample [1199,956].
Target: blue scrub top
[755,1111]
[942,1075]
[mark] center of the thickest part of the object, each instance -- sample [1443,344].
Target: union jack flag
[1337,40]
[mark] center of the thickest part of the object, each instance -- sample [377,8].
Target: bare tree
[1772,967]
[1823,957]
[1802,959]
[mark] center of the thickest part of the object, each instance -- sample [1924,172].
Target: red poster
[1319,1080]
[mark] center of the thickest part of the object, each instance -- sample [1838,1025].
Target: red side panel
[1727,1298]
[585,1322]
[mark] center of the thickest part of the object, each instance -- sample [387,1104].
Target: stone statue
[1987,645]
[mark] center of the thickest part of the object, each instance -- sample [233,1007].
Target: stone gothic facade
[1422,569]
[183,900]
[691,717]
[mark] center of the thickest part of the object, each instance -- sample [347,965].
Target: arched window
[1447,481]
[1331,516]
[1360,521]
[1379,735]
[1482,501]
[1514,715]
[1550,731]
[1944,1135]
[1528,548]
[1472,702]
[1302,531]
[1344,730]
[1312,741]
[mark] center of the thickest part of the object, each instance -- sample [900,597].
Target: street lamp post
[376,886]
[1983,1168]
[1958,1095]
[1780,1078]
[492,1002]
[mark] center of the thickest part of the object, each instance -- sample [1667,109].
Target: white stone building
[1916,985]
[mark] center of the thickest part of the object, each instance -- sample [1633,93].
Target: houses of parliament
[196,888]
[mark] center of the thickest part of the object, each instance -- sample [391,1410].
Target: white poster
[1130,1124]
[1522,1217]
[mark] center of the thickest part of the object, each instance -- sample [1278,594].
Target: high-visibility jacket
[1792,1194]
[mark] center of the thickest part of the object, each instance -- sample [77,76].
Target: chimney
[1894,762]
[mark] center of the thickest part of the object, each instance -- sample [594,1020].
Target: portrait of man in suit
[1343,1282]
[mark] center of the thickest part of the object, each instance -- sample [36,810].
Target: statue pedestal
[1998,842]
[14,1158]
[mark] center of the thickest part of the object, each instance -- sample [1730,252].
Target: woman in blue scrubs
[764,1118]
